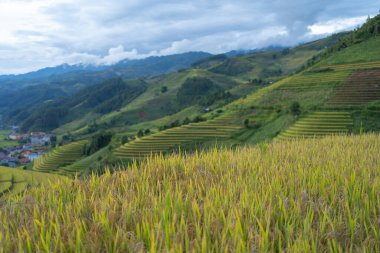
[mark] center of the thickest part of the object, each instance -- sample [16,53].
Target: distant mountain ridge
[167,63]
[182,60]
[20,91]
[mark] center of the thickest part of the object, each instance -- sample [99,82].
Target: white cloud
[40,33]
[336,25]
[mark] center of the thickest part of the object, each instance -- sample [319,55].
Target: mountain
[234,53]
[27,90]
[154,65]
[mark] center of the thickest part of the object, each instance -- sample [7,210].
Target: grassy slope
[302,196]
[364,52]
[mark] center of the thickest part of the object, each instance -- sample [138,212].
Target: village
[27,147]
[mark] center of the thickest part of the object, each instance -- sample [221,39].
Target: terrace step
[318,124]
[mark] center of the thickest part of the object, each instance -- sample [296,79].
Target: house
[34,156]
[40,139]
[26,147]
[16,137]
[208,109]
[3,156]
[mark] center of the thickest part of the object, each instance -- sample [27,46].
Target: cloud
[336,25]
[42,33]
[117,54]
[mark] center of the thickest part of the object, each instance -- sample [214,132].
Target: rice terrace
[189,126]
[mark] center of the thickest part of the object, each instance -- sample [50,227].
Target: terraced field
[309,80]
[319,124]
[15,181]
[362,87]
[174,138]
[353,66]
[61,157]
[73,169]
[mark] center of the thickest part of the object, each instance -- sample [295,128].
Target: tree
[124,139]
[175,124]
[186,121]
[246,123]
[97,142]
[198,119]
[53,141]
[147,131]
[140,133]
[295,108]
[164,89]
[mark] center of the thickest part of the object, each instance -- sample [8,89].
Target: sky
[42,33]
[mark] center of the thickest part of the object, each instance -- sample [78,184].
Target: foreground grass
[299,196]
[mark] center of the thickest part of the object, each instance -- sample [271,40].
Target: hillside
[19,92]
[317,195]
[96,100]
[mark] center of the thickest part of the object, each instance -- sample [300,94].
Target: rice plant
[312,195]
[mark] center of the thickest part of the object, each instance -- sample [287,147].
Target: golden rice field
[312,195]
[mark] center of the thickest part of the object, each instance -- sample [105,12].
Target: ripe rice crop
[313,195]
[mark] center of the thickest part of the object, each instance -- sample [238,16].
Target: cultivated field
[60,157]
[173,138]
[362,87]
[314,195]
[319,124]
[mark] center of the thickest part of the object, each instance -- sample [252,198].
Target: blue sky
[40,33]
